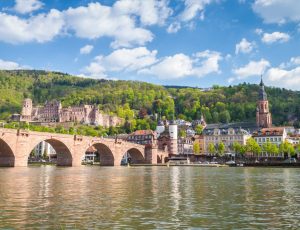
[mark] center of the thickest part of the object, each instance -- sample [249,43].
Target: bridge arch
[136,155]
[7,157]
[105,153]
[63,152]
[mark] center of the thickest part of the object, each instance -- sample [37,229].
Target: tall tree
[221,148]
[211,148]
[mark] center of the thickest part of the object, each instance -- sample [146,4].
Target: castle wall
[53,112]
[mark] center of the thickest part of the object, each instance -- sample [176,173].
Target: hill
[130,99]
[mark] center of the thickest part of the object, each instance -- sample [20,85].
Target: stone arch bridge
[16,146]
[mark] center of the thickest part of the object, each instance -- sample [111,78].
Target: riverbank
[261,165]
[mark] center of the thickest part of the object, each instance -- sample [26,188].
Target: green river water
[49,197]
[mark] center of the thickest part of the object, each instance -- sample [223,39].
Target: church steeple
[262,92]
[263,115]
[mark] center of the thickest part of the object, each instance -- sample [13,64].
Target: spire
[262,92]
[261,81]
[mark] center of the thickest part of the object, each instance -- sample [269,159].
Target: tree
[182,133]
[243,150]
[211,148]
[271,148]
[274,149]
[266,147]
[287,149]
[237,147]
[221,148]
[196,147]
[199,129]
[143,113]
[252,146]
[224,116]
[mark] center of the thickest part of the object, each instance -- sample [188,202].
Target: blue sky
[171,42]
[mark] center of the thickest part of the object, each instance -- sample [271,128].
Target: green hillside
[133,99]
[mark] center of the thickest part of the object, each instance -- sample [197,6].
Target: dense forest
[135,101]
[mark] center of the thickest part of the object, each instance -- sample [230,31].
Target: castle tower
[26,110]
[263,115]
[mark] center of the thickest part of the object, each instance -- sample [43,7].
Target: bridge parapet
[70,148]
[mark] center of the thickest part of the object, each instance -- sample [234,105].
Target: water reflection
[149,197]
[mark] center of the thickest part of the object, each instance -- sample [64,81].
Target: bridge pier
[21,161]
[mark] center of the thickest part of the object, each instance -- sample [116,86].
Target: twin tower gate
[16,146]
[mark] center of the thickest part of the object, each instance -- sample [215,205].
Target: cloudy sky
[171,42]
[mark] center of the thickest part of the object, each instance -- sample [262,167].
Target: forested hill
[133,99]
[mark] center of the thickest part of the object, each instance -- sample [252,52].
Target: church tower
[263,115]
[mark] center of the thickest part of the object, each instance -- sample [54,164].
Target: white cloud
[151,12]
[207,62]
[253,68]
[96,20]
[86,49]
[181,65]
[40,28]
[145,62]
[27,6]
[294,61]
[244,46]
[124,22]
[122,60]
[10,65]
[173,27]
[277,11]
[258,31]
[275,37]
[284,78]
[176,66]
[193,8]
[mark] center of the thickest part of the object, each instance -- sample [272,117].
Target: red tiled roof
[278,131]
[143,132]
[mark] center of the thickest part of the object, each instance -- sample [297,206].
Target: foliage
[199,129]
[271,148]
[252,146]
[221,148]
[182,133]
[211,148]
[238,148]
[95,131]
[287,148]
[133,100]
[196,147]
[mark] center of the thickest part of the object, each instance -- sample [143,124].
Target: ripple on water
[149,198]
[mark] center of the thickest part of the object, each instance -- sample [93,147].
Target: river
[48,197]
